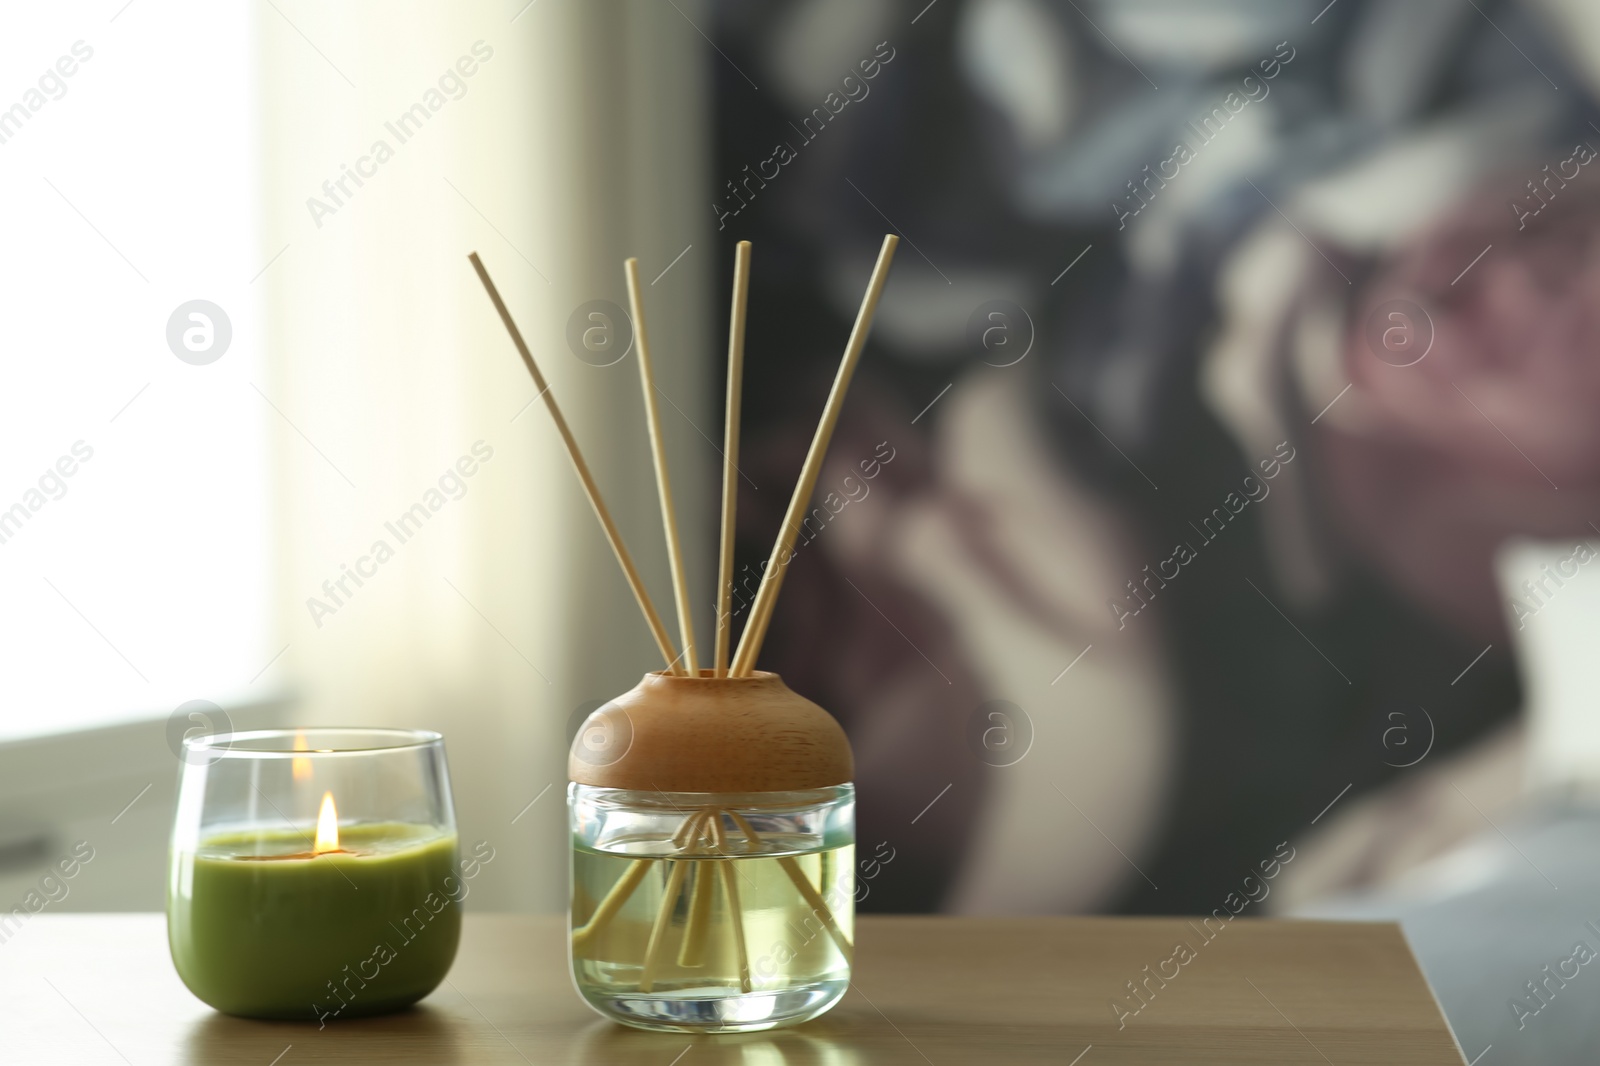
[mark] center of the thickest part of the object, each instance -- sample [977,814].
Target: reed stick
[730,889]
[631,572]
[658,931]
[730,455]
[819,906]
[692,952]
[669,517]
[629,882]
[613,902]
[755,631]
[680,839]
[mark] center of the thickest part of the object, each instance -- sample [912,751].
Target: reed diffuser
[711,808]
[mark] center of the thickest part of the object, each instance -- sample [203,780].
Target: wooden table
[88,989]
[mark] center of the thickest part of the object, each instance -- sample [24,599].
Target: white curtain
[554,139]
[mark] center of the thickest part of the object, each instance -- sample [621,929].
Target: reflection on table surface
[808,1045]
[453,1033]
[425,1033]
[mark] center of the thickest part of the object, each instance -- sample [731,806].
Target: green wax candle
[261,927]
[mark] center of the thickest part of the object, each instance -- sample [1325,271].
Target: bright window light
[133,476]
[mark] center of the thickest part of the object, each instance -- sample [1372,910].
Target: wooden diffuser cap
[711,734]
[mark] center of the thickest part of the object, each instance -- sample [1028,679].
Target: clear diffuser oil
[712,931]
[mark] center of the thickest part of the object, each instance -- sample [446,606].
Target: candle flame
[327,826]
[300,769]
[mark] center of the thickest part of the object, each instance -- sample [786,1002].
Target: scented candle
[356,910]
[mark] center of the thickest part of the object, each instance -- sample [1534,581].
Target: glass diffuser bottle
[712,814]
[713,855]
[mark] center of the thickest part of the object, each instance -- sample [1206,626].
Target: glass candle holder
[313,873]
[723,907]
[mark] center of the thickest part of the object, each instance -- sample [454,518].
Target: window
[133,472]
